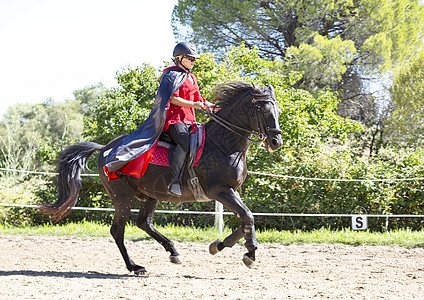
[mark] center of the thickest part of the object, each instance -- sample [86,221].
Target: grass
[403,237]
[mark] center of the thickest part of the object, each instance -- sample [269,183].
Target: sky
[50,48]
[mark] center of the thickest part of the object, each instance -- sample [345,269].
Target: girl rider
[180,114]
[172,111]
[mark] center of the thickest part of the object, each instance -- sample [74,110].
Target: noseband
[260,133]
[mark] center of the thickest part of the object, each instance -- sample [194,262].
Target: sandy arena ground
[74,268]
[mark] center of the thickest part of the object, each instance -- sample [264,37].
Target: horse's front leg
[231,199]
[229,241]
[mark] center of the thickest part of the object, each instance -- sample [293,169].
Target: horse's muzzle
[274,142]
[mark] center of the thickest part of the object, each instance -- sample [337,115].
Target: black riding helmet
[185,49]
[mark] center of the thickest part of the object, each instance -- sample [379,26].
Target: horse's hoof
[140,271]
[175,259]
[213,248]
[248,261]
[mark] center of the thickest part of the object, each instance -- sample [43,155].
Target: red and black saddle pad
[157,155]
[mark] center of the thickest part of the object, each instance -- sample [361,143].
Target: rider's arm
[186,103]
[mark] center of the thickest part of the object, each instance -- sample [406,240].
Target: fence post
[219,216]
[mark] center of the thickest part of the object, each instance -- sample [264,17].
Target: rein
[228,125]
[235,129]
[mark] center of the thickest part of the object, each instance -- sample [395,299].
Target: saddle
[162,153]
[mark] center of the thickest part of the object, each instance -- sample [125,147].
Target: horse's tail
[71,161]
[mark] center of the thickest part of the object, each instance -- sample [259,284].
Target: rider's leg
[174,188]
[180,133]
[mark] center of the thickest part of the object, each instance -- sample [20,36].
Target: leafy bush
[123,109]
[287,195]
[22,191]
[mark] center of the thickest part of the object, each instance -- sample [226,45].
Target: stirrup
[174,188]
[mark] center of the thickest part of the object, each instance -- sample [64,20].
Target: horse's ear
[271,90]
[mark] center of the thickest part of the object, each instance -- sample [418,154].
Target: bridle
[260,133]
[262,121]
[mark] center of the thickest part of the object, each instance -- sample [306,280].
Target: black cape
[141,140]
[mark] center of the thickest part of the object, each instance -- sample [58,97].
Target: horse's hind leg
[145,221]
[122,197]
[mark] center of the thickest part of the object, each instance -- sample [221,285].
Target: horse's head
[245,108]
[266,114]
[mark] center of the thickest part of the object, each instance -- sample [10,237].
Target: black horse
[245,110]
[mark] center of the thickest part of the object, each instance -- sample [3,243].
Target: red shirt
[189,90]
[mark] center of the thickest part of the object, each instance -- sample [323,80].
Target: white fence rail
[254,173]
[228,213]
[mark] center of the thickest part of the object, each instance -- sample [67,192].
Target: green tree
[122,109]
[406,124]
[28,130]
[323,60]
[306,119]
[31,135]
[88,97]
[335,43]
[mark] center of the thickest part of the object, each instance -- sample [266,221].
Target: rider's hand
[208,105]
[198,105]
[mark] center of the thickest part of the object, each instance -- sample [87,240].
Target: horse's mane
[230,94]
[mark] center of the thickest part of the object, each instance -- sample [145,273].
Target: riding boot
[174,188]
